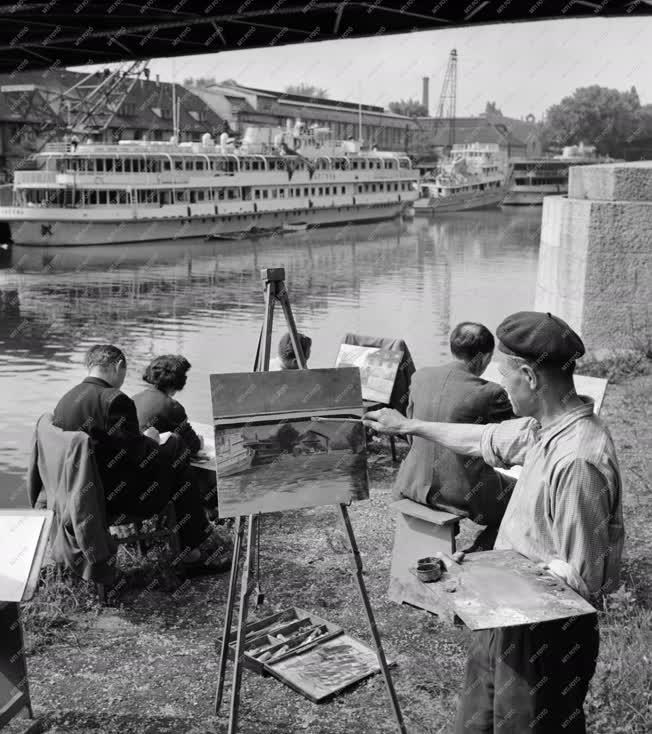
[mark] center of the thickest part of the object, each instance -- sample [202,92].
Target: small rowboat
[295,226]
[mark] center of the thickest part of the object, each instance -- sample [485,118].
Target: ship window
[271,165]
[127,165]
[373,187]
[178,165]
[180,196]
[381,187]
[328,190]
[122,197]
[312,190]
[281,193]
[354,165]
[274,193]
[359,188]
[265,193]
[343,189]
[231,194]
[200,165]
[193,196]
[166,165]
[305,192]
[256,193]
[321,190]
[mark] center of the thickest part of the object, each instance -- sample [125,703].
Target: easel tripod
[275,290]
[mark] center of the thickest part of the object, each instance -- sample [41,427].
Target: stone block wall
[595,259]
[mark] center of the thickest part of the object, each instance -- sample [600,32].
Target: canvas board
[19,542]
[272,453]
[378,368]
[327,669]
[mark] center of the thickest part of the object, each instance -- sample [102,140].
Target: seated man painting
[139,476]
[287,359]
[456,393]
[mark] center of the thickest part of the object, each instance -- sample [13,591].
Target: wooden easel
[275,290]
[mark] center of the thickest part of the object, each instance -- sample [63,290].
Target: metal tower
[446,107]
[85,108]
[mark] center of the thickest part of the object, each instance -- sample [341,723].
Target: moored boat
[137,191]
[473,177]
[531,179]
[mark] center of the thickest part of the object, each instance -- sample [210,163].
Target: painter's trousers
[530,678]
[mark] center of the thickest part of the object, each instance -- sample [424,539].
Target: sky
[524,67]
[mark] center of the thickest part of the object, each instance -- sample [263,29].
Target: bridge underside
[36,35]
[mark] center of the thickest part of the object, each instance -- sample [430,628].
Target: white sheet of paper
[19,536]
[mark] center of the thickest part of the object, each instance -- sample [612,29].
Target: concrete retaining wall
[595,259]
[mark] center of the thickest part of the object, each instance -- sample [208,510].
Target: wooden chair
[420,533]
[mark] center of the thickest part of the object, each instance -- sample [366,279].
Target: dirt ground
[148,664]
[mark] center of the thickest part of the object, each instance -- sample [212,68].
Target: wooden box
[318,669]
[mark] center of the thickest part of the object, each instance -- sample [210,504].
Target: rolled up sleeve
[582,512]
[506,444]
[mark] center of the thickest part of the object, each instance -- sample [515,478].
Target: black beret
[540,337]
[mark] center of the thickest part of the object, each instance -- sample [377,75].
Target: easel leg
[382,661]
[228,619]
[245,590]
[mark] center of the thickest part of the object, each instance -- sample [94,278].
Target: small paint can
[429,569]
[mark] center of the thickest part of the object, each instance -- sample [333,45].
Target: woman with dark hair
[156,406]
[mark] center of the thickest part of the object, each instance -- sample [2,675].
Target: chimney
[424,97]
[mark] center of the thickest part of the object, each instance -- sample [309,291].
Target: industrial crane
[446,107]
[85,108]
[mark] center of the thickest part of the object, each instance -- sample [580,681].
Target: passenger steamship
[137,191]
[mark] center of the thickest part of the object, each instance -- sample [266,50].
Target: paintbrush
[320,419]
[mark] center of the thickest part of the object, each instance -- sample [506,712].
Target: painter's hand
[152,433]
[386,421]
[452,560]
[566,573]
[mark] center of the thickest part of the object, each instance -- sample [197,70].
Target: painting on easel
[378,368]
[287,440]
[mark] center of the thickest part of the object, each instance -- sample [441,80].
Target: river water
[410,279]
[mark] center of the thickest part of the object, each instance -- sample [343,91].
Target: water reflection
[414,280]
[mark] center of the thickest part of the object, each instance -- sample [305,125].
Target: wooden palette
[502,588]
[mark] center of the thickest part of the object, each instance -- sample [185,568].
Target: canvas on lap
[273,453]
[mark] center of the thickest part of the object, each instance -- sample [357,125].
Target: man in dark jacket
[138,475]
[455,393]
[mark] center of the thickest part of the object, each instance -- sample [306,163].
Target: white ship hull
[48,230]
[459,202]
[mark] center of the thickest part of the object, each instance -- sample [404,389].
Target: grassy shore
[148,663]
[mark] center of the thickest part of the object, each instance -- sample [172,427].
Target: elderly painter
[565,513]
